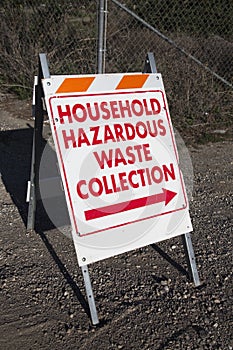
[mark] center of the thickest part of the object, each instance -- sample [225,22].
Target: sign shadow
[15,167]
[171,261]
[15,162]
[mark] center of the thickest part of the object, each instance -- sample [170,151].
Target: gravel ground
[144,298]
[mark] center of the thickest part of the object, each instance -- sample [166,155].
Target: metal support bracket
[90,295]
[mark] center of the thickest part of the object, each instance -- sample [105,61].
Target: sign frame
[33,187]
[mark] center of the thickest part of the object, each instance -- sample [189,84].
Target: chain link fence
[193,46]
[192,42]
[65,30]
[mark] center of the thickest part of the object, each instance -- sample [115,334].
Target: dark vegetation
[67,32]
[60,29]
[212,17]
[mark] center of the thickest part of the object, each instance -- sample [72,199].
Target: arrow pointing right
[165,196]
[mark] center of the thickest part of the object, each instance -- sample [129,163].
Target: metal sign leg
[190,257]
[36,153]
[38,114]
[150,67]
[32,192]
[90,295]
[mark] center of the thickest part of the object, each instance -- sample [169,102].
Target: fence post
[101,35]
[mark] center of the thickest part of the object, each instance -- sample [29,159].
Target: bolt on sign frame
[33,189]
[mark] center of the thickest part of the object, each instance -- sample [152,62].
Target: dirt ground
[144,298]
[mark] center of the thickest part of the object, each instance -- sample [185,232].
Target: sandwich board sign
[118,161]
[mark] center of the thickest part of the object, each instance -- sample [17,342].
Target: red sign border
[63,166]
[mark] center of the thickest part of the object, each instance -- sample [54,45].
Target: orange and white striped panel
[100,82]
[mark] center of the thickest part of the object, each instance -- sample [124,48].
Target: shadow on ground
[15,169]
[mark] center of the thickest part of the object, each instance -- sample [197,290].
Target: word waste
[109,123]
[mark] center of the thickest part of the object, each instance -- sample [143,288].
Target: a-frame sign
[118,161]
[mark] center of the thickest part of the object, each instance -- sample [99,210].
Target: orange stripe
[75,84]
[132,81]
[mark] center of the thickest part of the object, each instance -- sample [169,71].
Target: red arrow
[166,196]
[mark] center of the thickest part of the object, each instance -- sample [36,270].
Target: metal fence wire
[192,42]
[65,30]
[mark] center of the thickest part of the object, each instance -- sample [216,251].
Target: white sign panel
[118,160]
